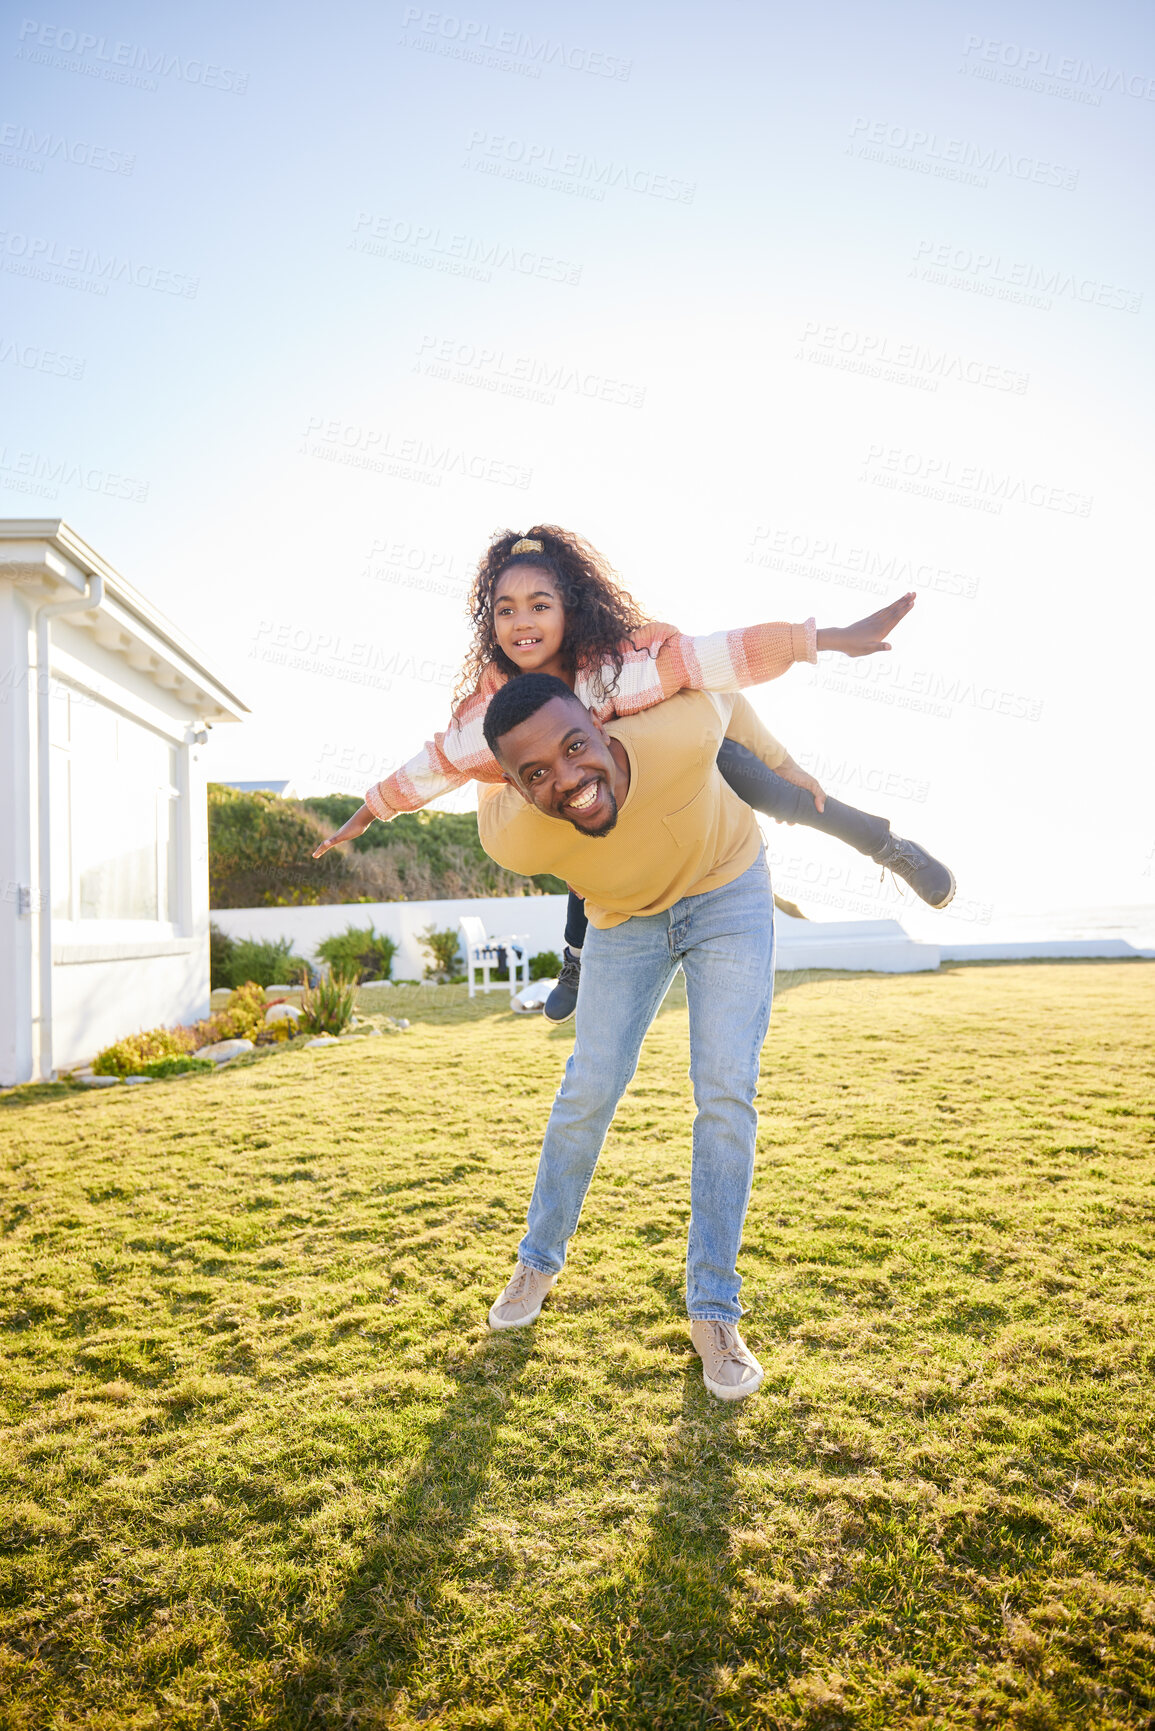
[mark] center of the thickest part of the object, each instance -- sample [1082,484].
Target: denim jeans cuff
[539,1266]
[714,1316]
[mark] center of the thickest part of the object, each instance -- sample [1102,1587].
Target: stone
[223,1050]
[283,1013]
[130,1080]
[270,990]
[375,985]
[321,1040]
[101,1081]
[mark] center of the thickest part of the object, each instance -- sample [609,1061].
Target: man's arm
[746,729]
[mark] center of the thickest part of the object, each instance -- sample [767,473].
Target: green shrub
[174,1066]
[359,953]
[327,1008]
[242,1018]
[546,965]
[128,1056]
[221,951]
[270,962]
[444,946]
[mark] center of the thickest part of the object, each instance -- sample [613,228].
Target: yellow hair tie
[526,547]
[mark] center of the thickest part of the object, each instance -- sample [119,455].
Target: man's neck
[621,759]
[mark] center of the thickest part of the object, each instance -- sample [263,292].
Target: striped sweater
[658,662]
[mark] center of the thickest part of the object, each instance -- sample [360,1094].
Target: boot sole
[949,897]
[521,1321]
[556,1021]
[728,1391]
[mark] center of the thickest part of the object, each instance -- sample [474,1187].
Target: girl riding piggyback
[547,602]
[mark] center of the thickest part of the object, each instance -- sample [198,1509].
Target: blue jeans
[724,941]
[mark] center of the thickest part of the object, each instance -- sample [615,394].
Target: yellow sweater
[680,831]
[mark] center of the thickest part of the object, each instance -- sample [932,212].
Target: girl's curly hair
[599,614]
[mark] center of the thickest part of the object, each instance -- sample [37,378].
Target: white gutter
[92,597]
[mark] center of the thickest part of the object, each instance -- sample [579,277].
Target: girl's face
[528,618]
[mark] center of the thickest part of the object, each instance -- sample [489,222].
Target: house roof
[46,550]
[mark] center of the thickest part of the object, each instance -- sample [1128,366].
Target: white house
[104,711]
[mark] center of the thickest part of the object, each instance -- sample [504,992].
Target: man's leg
[727,941]
[626,972]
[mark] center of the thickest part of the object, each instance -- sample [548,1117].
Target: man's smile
[584,799]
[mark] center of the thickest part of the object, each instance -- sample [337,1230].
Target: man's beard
[596,834]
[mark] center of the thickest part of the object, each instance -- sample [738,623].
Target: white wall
[16,813]
[540,918]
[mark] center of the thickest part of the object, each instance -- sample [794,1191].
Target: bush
[221,951]
[444,945]
[546,965]
[242,1018]
[260,853]
[270,962]
[359,953]
[327,1008]
[130,1055]
[181,1066]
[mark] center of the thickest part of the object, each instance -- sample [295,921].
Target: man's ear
[516,786]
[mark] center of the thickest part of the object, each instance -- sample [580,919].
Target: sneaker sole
[496,1322]
[728,1390]
[949,896]
[556,1021]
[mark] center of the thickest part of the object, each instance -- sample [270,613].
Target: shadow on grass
[371,1647]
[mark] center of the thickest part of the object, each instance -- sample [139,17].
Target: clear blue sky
[679,277]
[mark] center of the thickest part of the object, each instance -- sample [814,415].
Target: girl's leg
[562,1001]
[776,797]
[575,922]
[772,794]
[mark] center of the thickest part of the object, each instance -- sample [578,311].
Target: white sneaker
[522,1299]
[729,1368]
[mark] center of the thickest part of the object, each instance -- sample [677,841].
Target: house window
[115,815]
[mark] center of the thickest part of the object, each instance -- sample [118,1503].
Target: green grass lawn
[264,1465]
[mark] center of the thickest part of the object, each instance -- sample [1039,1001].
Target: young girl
[547,602]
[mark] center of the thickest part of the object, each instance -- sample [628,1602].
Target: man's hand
[868,636]
[357,825]
[791,771]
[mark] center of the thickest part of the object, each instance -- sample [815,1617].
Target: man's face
[560,761]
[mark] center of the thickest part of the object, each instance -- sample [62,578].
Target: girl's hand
[791,771]
[867,636]
[357,825]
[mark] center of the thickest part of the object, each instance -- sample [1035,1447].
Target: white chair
[482,953]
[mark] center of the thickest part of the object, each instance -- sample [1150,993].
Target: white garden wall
[539,918]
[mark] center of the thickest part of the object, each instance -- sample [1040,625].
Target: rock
[375,985]
[283,1013]
[274,989]
[321,1040]
[224,1050]
[403,1022]
[101,1081]
[132,1079]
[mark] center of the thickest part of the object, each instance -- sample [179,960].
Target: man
[637,818]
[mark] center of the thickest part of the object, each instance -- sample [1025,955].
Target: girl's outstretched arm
[728,660]
[444,763]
